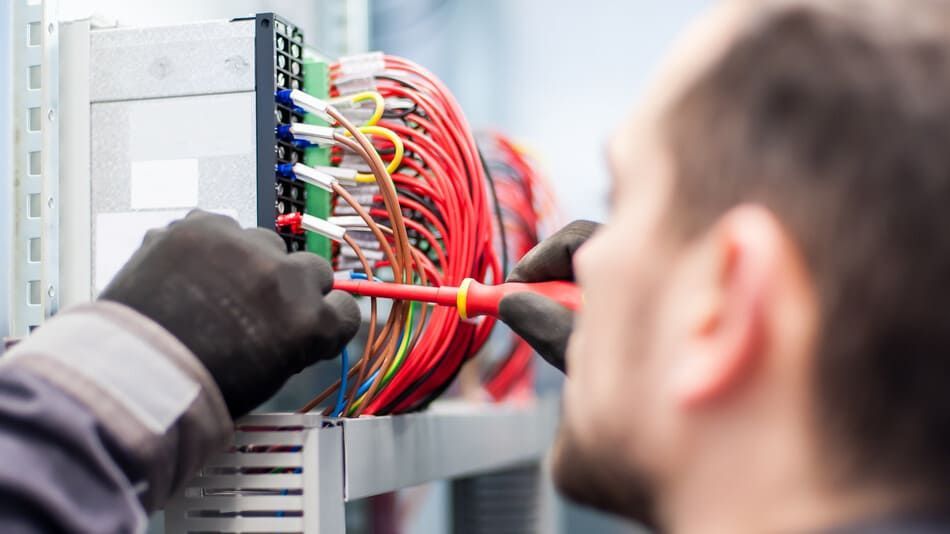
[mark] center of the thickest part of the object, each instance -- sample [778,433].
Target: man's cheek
[582,361]
[572,356]
[591,367]
[592,258]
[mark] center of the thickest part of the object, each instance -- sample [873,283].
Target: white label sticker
[164,183]
[119,235]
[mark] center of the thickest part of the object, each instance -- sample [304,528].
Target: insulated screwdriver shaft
[471,298]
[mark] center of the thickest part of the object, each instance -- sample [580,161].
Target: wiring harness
[411,203]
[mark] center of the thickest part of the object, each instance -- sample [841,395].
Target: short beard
[598,476]
[590,478]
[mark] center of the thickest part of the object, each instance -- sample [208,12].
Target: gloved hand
[253,314]
[543,323]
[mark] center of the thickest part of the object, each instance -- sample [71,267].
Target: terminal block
[279,51]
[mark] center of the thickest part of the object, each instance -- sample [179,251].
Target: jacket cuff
[151,394]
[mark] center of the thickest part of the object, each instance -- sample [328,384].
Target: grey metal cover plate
[173,127]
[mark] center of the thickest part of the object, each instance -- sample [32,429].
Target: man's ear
[727,333]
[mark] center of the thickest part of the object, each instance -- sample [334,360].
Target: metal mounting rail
[35,254]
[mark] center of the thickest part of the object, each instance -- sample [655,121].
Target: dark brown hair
[839,123]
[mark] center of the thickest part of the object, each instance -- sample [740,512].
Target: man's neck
[737,512]
[774,485]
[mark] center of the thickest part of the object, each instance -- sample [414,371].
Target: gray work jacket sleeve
[103,414]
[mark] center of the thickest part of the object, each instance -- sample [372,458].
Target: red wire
[516,181]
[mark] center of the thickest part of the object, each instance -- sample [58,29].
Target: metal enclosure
[173,117]
[295,472]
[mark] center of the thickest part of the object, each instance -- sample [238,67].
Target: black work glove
[253,314]
[543,323]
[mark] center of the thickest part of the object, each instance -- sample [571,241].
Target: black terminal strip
[279,65]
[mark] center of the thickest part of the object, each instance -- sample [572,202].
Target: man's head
[763,309]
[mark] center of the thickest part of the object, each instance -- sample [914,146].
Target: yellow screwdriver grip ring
[461,298]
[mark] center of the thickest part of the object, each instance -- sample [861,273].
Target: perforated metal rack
[294,472]
[34,270]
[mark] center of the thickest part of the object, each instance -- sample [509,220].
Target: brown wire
[396,314]
[401,260]
[386,342]
[387,360]
[314,402]
[386,186]
[371,348]
[362,146]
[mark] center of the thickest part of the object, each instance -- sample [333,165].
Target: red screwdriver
[471,298]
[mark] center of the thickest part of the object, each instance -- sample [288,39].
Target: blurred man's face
[620,427]
[610,400]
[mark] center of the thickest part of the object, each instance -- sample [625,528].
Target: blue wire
[362,276]
[345,370]
[369,381]
[363,389]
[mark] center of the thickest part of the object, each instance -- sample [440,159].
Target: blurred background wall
[558,75]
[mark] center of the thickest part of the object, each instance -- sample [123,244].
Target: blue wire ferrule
[283,132]
[303,102]
[283,96]
[285,169]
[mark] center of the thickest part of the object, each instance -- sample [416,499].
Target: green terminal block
[317,81]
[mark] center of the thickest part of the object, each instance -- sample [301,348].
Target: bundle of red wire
[425,211]
[446,211]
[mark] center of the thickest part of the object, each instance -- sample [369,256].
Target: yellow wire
[363,97]
[377,99]
[401,353]
[397,157]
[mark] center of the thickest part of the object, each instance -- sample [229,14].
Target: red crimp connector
[291,221]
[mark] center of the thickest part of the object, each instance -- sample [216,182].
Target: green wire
[398,360]
[403,345]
